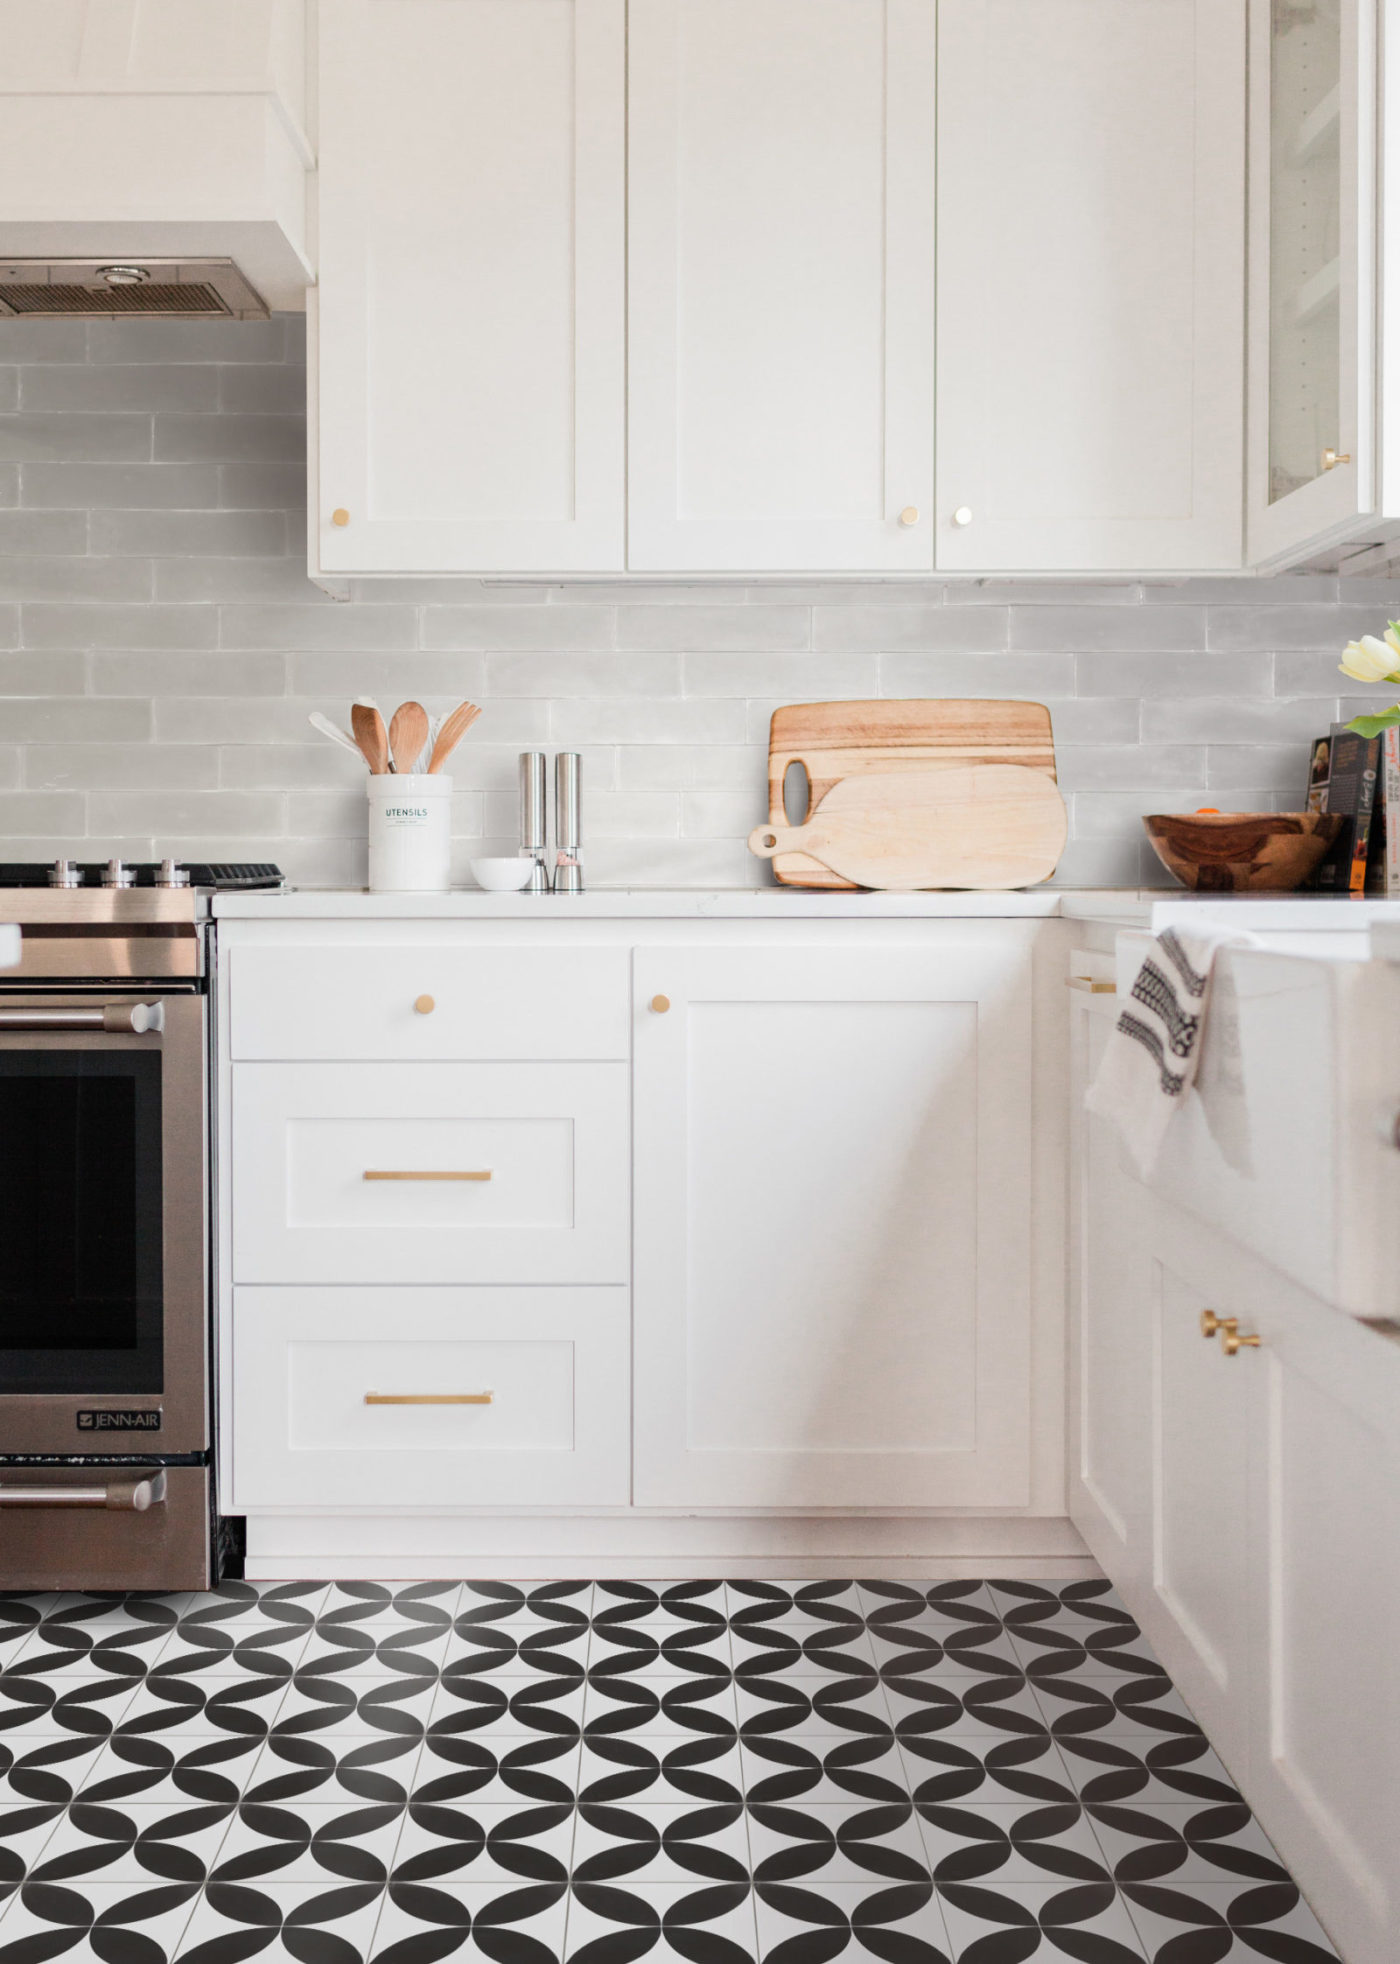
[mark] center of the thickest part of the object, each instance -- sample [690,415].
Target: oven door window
[80,1221]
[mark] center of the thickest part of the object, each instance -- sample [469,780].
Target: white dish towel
[1154,1051]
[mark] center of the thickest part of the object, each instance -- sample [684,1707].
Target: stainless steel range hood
[180,289]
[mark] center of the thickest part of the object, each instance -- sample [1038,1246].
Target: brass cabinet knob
[963,515]
[340,516]
[910,515]
[1231,1342]
[661,1004]
[1211,1323]
[424,1005]
[1331,458]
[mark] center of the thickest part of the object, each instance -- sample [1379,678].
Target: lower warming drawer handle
[131,1493]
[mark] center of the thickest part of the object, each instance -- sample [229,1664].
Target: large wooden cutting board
[837,740]
[969,825]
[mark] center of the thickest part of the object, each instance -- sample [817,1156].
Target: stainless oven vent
[175,289]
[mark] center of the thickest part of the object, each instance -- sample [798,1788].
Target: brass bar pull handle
[381,1174]
[430,1397]
[1090,986]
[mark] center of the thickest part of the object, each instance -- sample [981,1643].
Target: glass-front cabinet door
[1312,257]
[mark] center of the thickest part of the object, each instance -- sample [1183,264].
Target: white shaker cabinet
[832,1203]
[1315,462]
[1245,1499]
[1090,284]
[781,179]
[468,340]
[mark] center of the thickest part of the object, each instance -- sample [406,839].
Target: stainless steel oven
[105,1479]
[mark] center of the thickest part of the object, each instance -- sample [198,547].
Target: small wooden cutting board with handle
[978,825]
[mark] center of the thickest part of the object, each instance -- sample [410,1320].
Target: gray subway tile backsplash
[161,649]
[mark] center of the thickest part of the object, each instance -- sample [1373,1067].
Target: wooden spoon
[373,739]
[408,732]
[454,728]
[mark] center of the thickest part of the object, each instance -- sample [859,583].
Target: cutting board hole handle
[763,841]
[797,792]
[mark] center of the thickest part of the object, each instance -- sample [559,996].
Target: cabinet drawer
[428,1002]
[541,1376]
[361,1173]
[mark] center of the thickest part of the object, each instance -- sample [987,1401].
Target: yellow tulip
[1372,660]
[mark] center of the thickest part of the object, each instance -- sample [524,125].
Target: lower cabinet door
[1325,1527]
[1203,1410]
[1111,1349]
[832,1203]
[430,1398]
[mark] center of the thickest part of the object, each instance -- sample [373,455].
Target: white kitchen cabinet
[832,1220]
[418,1002]
[1324,324]
[1203,1420]
[781,180]
[430,1173]
[1324,1524]
[1090,284]
[468,338]
[429,1398]
[1259,1569]
[1110,1356]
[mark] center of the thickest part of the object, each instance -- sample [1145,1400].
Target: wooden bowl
[1242,852]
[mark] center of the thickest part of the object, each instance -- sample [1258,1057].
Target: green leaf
[1371,726]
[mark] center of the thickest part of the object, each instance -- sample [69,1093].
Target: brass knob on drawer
[1231,1342]
[910,515]
[424,1005]
[1211,1324]
[661,1004]
[340,516]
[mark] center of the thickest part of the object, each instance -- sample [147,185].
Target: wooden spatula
[454,728]
[408,732]
[367,725]
[979,825]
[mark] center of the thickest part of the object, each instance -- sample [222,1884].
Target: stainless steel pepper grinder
[568,868]
[534,821]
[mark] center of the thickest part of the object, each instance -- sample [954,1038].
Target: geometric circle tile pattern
[944,1773]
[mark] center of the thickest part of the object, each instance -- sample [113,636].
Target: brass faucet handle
[1212,1325]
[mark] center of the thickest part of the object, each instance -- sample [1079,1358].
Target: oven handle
[117,1018]
[133,1492]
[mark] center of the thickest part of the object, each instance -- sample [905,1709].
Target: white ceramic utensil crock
[410,832]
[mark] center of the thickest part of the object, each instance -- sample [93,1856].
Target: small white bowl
[501,875]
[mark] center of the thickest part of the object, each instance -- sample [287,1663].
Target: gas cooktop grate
[221,876]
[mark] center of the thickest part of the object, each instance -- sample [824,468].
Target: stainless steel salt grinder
[568,870]
[534,821]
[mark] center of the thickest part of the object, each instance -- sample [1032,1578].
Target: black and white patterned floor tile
[957,1773]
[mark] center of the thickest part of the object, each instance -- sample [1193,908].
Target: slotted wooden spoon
[454,728]
[408,732]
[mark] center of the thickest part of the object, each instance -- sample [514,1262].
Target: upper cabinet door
[1312,465]
[1090,284]
[781,269]
[470,348]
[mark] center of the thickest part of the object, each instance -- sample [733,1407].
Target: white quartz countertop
[1145,907]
